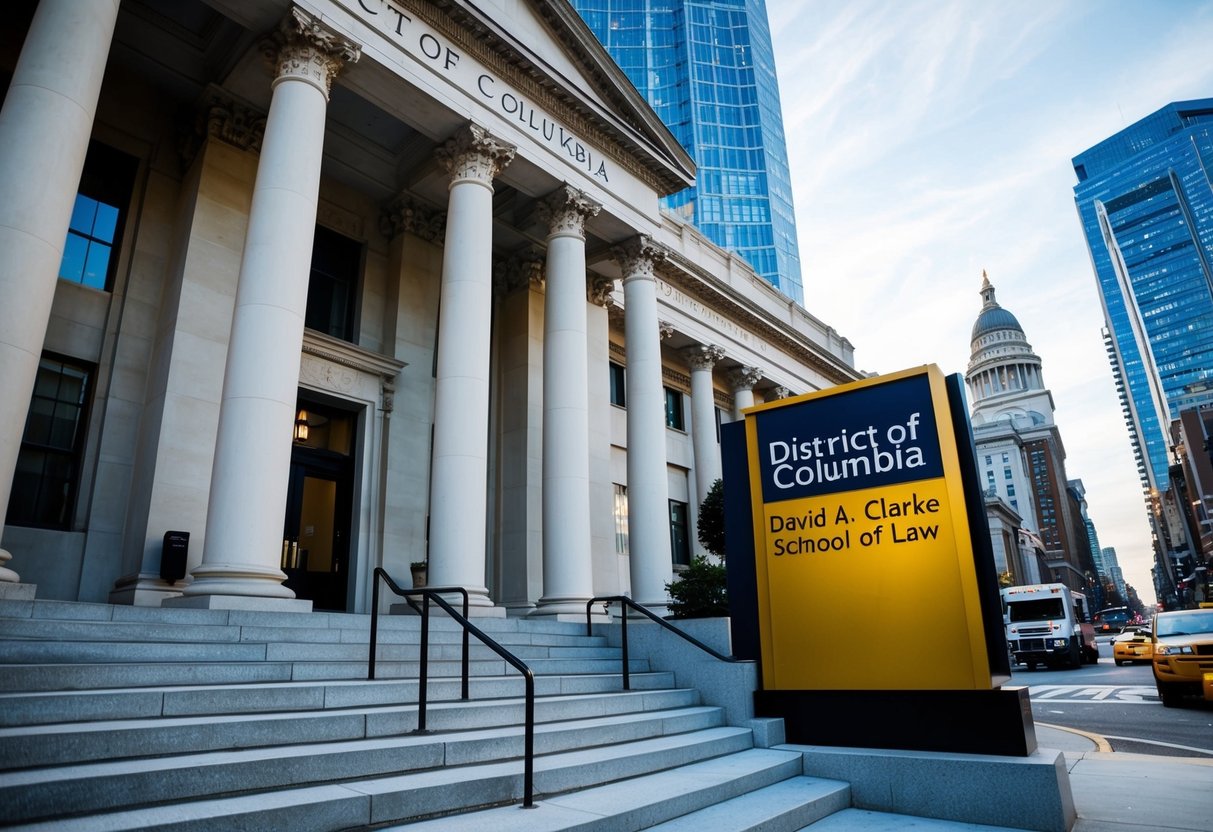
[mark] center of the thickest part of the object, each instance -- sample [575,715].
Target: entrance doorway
[319,505]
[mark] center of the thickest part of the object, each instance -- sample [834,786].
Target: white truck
[1048,624]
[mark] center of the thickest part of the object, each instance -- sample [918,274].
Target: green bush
[711,520]
[700,592]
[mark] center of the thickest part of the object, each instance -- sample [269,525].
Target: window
[618,386]
[680,544]
[673,409]
[719,421]
[333,285]
[96,224]
[48,464]
[621,519]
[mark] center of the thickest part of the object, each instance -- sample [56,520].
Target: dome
[992,317]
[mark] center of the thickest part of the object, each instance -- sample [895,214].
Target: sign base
[995,721]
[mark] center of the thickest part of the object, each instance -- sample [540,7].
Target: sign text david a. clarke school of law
[864,561]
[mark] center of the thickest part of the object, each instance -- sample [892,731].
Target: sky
[929,140]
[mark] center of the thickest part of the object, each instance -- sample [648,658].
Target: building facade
[708,70]
[1020,455]
[1145,201]
[343,284]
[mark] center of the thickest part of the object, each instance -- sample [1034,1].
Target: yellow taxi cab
[1183,654]
[1132,644]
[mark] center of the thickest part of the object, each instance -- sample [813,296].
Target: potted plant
[418,567]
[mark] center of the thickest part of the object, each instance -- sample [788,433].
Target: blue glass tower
[707,68]
[1146,205]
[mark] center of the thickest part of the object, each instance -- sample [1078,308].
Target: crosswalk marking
[1119,694]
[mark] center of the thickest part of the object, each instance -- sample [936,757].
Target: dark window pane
[47,464]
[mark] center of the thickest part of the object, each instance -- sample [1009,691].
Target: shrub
[700,591]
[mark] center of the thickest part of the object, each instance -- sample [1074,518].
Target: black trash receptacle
[173,556]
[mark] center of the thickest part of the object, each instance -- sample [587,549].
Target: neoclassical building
[1020,455]
[335,284]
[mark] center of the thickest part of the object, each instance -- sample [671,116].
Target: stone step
[72,743]
[48,677]
[134,631]
[758,789]
[445,772]
[26,651]
[76,611]
[862,820]
[37,708]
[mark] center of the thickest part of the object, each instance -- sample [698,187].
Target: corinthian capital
[744,378]
[566,210]
[474,153]
[638,257]
[599,289]
[304,49]
[405,214]
[702,356]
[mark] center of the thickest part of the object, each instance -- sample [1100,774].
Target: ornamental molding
[351,356]
[780,392]
[566,210]
[304,49]
[471,35]
[673,378]
[406,214]
[681,273]
[665,330]
[473,153]
[702,356]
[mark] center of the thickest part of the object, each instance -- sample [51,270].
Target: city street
[1121,705]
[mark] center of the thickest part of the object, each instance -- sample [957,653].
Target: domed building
[1034,516]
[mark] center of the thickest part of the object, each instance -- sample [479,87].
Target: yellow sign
[865,568]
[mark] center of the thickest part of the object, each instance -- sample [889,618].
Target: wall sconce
[301,426]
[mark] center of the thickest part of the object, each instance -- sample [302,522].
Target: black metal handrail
[435,594]
[628,602]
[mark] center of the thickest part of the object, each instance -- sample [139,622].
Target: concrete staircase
[117,718]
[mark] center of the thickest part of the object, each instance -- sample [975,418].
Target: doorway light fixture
[301,426]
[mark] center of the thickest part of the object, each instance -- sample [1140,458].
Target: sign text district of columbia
[862,540]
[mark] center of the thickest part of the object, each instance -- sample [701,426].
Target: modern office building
[708,70]
[333,285]
[1146,204]
[1020,456]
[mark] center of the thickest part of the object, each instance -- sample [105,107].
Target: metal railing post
[423,681]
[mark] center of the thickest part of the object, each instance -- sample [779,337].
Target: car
[1111,619]
[1182,657]
[1132,644]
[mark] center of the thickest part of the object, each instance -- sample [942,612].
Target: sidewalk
[1115,792]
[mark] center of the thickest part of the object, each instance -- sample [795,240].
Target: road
[1121,705]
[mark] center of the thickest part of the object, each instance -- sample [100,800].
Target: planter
[418,575]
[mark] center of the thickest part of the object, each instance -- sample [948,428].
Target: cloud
[929,141]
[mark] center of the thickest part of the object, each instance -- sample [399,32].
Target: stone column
[459,475]
[44,131]
[253,448]
[648,486]
[567,572]
[743,380]
[702,358]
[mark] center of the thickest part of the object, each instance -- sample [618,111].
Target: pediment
[549,43]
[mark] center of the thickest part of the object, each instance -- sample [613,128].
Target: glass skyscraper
[1146,204]
[707,68]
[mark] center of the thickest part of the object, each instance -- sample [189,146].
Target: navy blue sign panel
[874,436]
